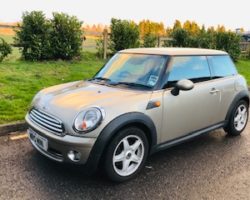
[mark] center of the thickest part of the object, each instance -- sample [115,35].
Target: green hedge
[40,38]
[221,40]
[124,35]
[5,49]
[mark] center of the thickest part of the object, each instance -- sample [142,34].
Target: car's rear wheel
[238,119]
[126,154]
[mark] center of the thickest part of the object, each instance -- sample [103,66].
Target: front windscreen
[136,69]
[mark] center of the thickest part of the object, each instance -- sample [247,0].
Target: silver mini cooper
[140,102]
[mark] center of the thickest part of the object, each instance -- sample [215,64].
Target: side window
[222,66]
[194,68]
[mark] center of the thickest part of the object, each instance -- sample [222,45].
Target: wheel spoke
[125,165]
[237,118]
[135,158]
[239,110]
[136,145]
[120,157]
[242,119]
[125,144]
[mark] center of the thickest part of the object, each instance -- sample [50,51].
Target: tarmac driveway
[213,166]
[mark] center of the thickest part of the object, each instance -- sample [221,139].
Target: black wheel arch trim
[241,95]
[112,128]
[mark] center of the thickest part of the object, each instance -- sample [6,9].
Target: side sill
[187,137]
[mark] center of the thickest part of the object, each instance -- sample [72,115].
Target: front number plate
[38,140]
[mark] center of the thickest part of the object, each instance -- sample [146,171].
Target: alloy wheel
[128,155]
[240,118]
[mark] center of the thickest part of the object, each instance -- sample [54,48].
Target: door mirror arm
[175,91]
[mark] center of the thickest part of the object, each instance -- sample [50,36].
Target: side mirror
[184,85]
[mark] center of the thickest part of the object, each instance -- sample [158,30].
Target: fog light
[74,156]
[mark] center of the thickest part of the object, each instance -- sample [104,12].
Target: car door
[225,73]
[190,110]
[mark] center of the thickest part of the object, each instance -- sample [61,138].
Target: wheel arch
[126,120]
[243,95]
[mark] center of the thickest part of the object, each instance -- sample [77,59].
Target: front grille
[46,121]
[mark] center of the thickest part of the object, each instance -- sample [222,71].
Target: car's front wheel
[238,119]
[126,154]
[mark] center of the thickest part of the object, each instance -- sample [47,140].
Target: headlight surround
[88,120]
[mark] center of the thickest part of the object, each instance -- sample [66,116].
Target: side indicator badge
[153,104]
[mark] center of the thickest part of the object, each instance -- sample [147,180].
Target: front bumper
[60,146]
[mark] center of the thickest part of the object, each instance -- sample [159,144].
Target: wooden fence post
[105,43]
[159,41]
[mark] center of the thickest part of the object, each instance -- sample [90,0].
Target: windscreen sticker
[152,80]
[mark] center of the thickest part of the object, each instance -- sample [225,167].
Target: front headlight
[88,120]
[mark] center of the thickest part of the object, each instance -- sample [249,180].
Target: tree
[180,38]
[66,36]
[5,49]
[32,36]
[229,42]
[124,35]
[191,27]
[148,27]
[221,28]
[205,39]
[177,25]
[211,29]
[43,39]
[191,35]
[149,40]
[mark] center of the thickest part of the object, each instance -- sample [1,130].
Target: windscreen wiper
[100,78]
[131,84]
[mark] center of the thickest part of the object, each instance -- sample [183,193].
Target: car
[142,101]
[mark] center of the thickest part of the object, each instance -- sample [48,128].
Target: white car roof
[174,51]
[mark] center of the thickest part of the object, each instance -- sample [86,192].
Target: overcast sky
[233,14]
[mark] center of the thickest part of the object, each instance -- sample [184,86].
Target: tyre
[238,119]
[126,154]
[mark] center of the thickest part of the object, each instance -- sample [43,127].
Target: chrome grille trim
[40,118]
[46,121]
[44,116]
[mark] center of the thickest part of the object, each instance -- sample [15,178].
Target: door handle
[214,91]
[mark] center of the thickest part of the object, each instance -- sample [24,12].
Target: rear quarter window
[222,66]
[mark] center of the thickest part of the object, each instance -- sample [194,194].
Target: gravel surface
[213,166]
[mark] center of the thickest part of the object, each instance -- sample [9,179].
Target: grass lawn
[89,44]
[20,81]
[243,67]
[7,38]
